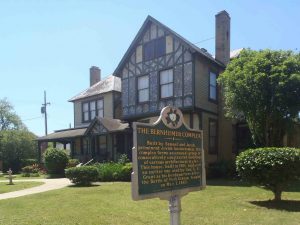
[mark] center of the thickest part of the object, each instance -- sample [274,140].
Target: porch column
[39,151]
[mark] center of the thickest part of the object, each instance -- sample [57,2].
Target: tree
[263,89]
[15,146]
[272,168]
[56,161]
[9,120]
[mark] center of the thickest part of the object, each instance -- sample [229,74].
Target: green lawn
[222,202]
[4,187]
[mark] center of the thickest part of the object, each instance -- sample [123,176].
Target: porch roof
[63,134]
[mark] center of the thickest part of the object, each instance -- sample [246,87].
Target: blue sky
[50,45]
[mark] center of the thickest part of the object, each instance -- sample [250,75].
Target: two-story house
[96,134]
[159,68]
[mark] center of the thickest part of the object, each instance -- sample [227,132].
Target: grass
[5,187]
[222,202]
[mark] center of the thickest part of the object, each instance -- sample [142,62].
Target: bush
[272,168]
[31,171]
[55,161]
[82,175]
[72,163]
[29,162]
[114,171]
[123,159]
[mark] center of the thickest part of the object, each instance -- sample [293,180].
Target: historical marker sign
[168,157]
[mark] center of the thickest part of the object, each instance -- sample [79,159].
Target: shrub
[29,162]
[114,171]
[55,161]
[82,175]
[72,163]
[31,171]
[123,159]
[272,168]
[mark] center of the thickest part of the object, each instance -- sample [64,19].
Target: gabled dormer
[158,70]
[101,99]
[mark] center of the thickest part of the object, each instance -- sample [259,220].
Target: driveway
[49,184]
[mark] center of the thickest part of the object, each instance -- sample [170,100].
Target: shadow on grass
[227,182]
[286,205]
[80,185]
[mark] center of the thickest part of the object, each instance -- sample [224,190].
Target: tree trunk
[277,194]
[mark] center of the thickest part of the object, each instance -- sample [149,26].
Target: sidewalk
[49,184]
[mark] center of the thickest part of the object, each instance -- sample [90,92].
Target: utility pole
[44,111]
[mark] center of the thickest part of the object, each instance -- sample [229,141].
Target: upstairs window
[85,111]
[213,136]
[92,109]
[212,86]
[143,89]
[154,49]
[166,83]
[100,108]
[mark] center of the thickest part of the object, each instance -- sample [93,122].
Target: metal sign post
[168,160]
[175,209]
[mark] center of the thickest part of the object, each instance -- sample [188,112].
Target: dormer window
[154,49]
[92,109]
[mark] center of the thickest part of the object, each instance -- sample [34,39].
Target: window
[100,111]
[143,89]
[85,110]
[166,83]
[92,109]
[154,49]
[212,86]
[213,136]
[102,144]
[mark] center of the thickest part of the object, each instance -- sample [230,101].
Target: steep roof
[110,125]
[150,19]
[111,83]
[235,53]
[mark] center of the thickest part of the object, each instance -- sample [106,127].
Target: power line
[34,118]
[204,40]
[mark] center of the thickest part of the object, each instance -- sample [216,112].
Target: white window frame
[143,89]
[167,84]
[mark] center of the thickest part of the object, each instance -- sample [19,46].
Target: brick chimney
[95,75]
[223,37]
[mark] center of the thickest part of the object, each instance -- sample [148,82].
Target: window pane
[166,90]
[160,47]
[93,114]
[166,76]
[86,116]
[143,82]
[100,104]
[92,105]
[213,79]
[213,92]
[85,107]
[149,51]
[170,89]
[100,113]
[144,95]
[212,129]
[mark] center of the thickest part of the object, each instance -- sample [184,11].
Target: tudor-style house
[162,68]
[159,68]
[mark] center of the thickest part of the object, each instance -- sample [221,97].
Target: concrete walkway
[49,184]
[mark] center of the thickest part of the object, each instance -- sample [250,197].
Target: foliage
[123,159]
[273,168]
[9,120]
[28,162]
[114,171]
[72,163]
[263,89]
[82,175]
[15,147]
[31,171]
[221,169]
[55,160]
